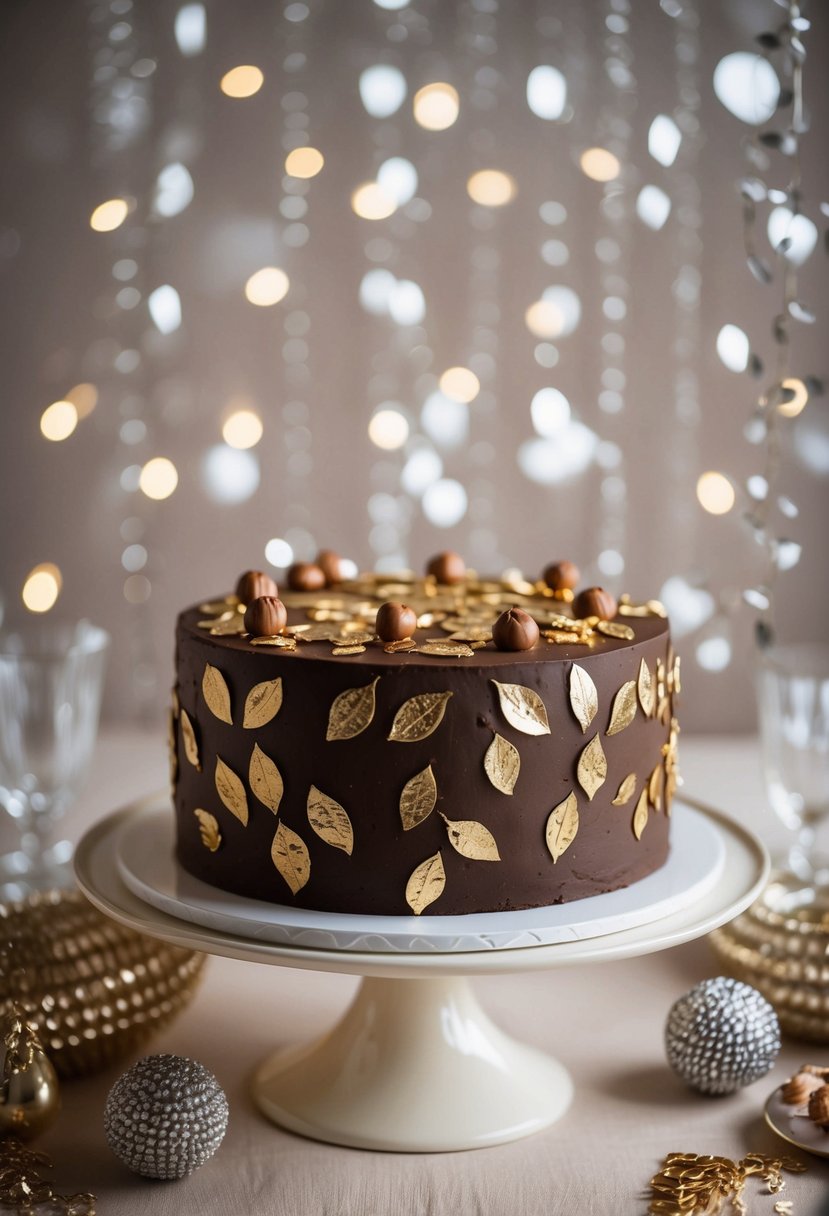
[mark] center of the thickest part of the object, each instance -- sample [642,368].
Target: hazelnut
[330,564]
[447,568]
[515,630]
[819,1107]
[254,583]
[305,576]
[562,576]
[595,601]
[395,622]
[798,1088]
[265,616]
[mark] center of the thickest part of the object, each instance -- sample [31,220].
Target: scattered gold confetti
[562,825]
[426,883]
[262,703]
[689,1184]
[523,708]
[351,712]
[330,821]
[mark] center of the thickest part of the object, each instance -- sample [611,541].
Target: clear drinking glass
[793,700]
[51,679]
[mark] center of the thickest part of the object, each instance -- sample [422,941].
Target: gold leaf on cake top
[584,700]
[330,821]
[624,708]
[351,712]
[418,717]
[289,854]
[626,790]
[231,791]
[265,779]
[188,738]
[216,694]
[262,703]
[502,764]
[647,692]
[523,708]
[211,837]
[418,798]
[592,767]
[640,815]
[615,629]
[562,825]
[426,883]
[471,839]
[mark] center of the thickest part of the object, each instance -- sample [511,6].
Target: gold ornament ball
[29,1098]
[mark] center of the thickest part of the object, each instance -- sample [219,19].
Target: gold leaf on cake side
[624,708]
[584,700]
[640,815]
[418,799]
[523,708]
[646,690]
[216,694]
[351,712]
[211,837]
[626,790]
[262,703]
[426,883]
[471,839]
[562,825]
[330,821]
[188,738]
[418,717]
[289,854]
[592,767]
[171,747]
[231,791]
[265,779]
[655,788]
[502,764]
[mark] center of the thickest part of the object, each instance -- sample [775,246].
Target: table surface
[605,1023]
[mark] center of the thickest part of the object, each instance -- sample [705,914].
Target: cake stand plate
[415,1065]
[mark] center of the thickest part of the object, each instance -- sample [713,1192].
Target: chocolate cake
[401,744]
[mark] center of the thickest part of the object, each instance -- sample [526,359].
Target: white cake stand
[415,1065]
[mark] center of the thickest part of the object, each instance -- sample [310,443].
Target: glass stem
[801,850]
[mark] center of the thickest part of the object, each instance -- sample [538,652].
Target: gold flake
[584,699]
[647,694]
[418,717]
[188,738]
[351,712]
[592,768]
[400,647]
[340,650]
[502,764]
[229,615]
[426,883]
[171,747]
[418,798]
[290,856]
[556,620]
[262,703]
[330,820]
[640,815]
[214,607]
[614,629]
[471,839]
[265,779]
[216,694]
[650,608]
[677,680]
[313,633]
[211,837]
[281,643]
[565,637]
[624,708]
[626,790]
[231,791]
[562,825]
[655,788]
[437,647]
[472,633]
[235,624]
[523,708]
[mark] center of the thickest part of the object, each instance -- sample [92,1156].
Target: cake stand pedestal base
[413,1066]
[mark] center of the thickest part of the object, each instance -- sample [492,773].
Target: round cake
[499,745]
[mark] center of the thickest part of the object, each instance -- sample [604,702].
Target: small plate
[796,1129]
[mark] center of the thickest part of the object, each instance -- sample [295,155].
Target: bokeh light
[398,178]
[445,502]
[797,231]
[242,429]
[790,409]
[278,552]
[164,305]
[747,86]
[664,138]
[376,287]
[267,286]
[715,493]
[555,315]
[84,397]
[423,467]
[491,188]
[653,207]
[388,428]
[371,202]
[42,587]
[190,29]
[550,412]
[559,458]
[304,162]
[382,90]
[436,106]
[460,383]
[546,92]
[733,348]
[109,215]
[445,421]
[242,81]
[600,165]
[407,305]
[159,478]
[174,190]
[58,421]
[230,475]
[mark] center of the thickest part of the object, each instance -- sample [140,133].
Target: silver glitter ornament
[165,1116]
[721,1035]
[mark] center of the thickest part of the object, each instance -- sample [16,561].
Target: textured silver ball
[165,1116]
[722,1035]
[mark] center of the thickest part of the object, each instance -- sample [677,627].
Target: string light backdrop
[389,278]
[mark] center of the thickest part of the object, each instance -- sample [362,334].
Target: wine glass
[51,679]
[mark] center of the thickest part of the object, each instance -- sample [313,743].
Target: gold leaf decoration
[211,837]
[438,647]
[584,700]
[216,694]
[225,629]
[188,738]
[418,717]
[418,798]
[655,788]
[640,815]
[231,791]
[265,779]
[171,746]
[615,629]
[289,854]
[647,692]
[426,883]
[624,708]
[523,708]
[281,643]
[592,767]
[351,712]
[262,703]
[357,649]
[471,839]
[330,821]
[502,764]
[562,825]
[626,790]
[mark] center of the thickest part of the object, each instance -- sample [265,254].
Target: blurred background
[392,278]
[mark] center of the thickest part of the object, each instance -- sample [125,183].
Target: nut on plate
[819,1107]
[515,629]
[799,1088]
[254,583]
[265,617]
[562,576]
[395,622]
[448,568]
[305,576]
[331,565]
[595,601]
